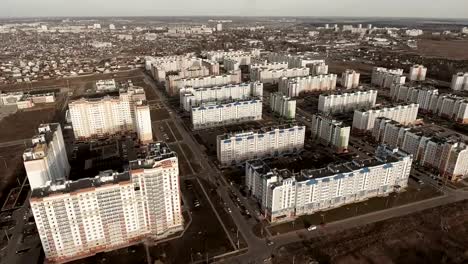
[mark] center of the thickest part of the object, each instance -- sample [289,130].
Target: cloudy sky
[388,8]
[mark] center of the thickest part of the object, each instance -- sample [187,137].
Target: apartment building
[223,113]
[350,79]
[283,106]
[273,76]
[233,148]
[76,219]
[345,102]
[212,66]
[264,64]
[160,66]
[460,81]
[318,68]
[192,72]
[110,115]
[219,55]
[207,81]
[106,85]
[385,78]
[46,160]
[417,73]
[190,96]
[447,154]
[293,87]
[364,120]
[430,101]
[284,195]
[231,65]
[331,132]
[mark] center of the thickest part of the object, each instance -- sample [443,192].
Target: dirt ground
[448,49]
[11,167]
[23,124]
[431,236]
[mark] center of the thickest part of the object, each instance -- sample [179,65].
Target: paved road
[15,142]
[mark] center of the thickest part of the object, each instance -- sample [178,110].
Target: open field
[413,194]
[431,236]
[447,49]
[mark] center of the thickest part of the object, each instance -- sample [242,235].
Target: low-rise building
[233,148]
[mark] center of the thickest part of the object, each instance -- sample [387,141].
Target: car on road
[270,243]
[312,228]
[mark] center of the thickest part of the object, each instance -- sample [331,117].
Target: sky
[322,8]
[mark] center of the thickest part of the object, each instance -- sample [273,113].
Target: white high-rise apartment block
[219,27]
[106,116]
[294,61]
[77,219]
[195,96]
[264,64]
[172,81]
[385,78]
[403,114]
[460,82]
[293,87]
[231,65]
[212,66]
[283,106]
[273,76]
[417,73]
[244,59]
[446,154]
[445,105]
[345,102]
[159,66]
[112,27]
[219,114]
[331,132]
[284,195]
[143,125]
[318,68]
[267,142]
[464,30]
[97,26]
[219,54]
[350,79]
[46,161]
[208,81]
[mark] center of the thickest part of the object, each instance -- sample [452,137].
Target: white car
[311,228]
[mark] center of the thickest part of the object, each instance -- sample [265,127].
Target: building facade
[273,76]
[207,81]
[284,195]
[293,87]
[235,148]
[283,106]
[331,132]
[460,82]
[190,96]
[385,78]
[345,102]
[417,73]
[108,115]
[46,161]
[404,114]
[350,79]
[223,113]
[80,218]
[449,156]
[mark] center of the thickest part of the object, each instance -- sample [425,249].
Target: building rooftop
[104,177]
[41,141]
[262,130]
[154,152]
